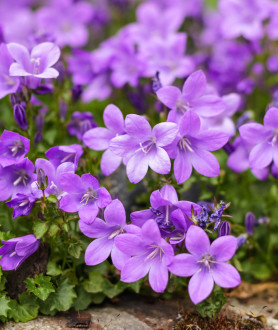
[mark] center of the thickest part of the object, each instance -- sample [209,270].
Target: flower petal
[271,118]
[159,161]
[72,183]
[190,124]
[195,85]
[151,232]
[223,248]
[211,140]
[182,167]
[197,241]
[135,269]
[98,138]
[137,167]
[138,127]
[96,229]
[169,96]
[165,133]
[253,133]
[158,276]
[119,258]
[98,251]
[225,275]
[205,163]
[113,119]
[200,285]
[20,54]
[109,162]
[130,243]
[184,265]
[114,214]
[261,155]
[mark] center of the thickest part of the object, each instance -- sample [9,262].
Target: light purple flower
[8,84]
[264,137]
[16,250]
[99,138]
[53,175]
[105,232]
[206,263]
[149,254]
[84,195]
[16,178]
[21,204]
[13,148]
[191,148]
[36,64]
[163,203]
[80,123]
[62,154]
[194,96]
[142,147]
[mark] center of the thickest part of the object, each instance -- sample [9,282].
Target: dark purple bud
[229,148]
[224,229]
[37,138]
[42,179]
[63,109]
[243,119]
[76,92]
[241,239]
[85,126]
[44,89]
[156,83]
[20,116]
[39,122]
[15,99]
[59,66]
[250,221]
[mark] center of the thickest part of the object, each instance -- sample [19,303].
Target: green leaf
[27,309]
[4,305]
[40,228]
[212,305]
[75,250]
[83,299]
[53,229]
[95,283]
[98,298]
[4,236]
[62,299]
[53,269]
[52,199]
[40,286]
[112,290]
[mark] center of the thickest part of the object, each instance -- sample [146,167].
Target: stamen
[90,194]
[36,62]
[184,144]
[22,177]
[67,157]
[12,254]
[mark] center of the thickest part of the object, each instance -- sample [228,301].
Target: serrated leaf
[53,269]
[40,228]
[83,300]
[112,290]
[75,250]
[98,298]
[40,286]
[95,283]
[4,305]
[27,309]
[62,299]
[53,229]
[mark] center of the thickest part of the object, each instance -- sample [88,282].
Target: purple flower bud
[76,92]
[15,99]
[244,118]
[63,109]
[241,239]
[250,223]
[20,116]
[37,138]
[59,66]
[156,83]
[224,229]
[42,179]
[39,122]
[44,89]
[229,148]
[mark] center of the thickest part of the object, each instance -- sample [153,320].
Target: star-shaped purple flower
[63,154]
[206,263]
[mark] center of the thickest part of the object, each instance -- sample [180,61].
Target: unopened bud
[224,229]
[42,179]
[20,116]
[250,221]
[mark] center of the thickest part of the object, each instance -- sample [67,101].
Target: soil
[34,265]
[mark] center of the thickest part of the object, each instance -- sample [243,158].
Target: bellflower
[206,263]
[191,148]
[84,195]
[163,203]
[99,138]
[54,175]
[105,232]
[264,137]
[37,64]
[193,97]
[149,253]
[80,123]
[62,154]
[16,250]
[8,84]
[250,221]
[16,178]
[142,147]
[21,204]
[13,148]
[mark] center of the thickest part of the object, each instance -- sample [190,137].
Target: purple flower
[191,148]
[62,154]
[194,96]
[80,123]
[16,250]
[13,148]
[53,176]
[163,203]
[16,178]
[83,196]
[149,253]
[207,263]
[36,64]
[250,221]
[142,147]
[21,204]
[8,85]
[217,214]
[105,232]
[264,137]
[99,138]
